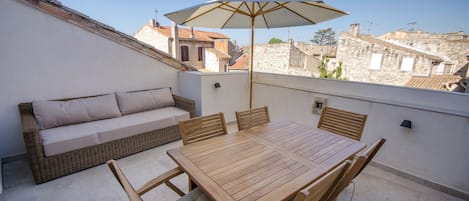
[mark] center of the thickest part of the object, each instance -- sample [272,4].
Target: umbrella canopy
[237,14]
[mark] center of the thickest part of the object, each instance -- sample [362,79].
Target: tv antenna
[156,15]
[370,25]
[412,26]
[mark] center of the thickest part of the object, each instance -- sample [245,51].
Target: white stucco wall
[154,38]
[436,148]
[232,96]
[211,62]
[42,57]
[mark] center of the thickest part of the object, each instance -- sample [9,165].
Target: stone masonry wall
[452,46]
[356,54]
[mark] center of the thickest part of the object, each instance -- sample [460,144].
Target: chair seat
[194,195]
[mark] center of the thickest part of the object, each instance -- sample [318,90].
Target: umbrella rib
[199,15]
[263,16]
[296,13]
[322,6]
[235,10]
[231,16]
[276,7]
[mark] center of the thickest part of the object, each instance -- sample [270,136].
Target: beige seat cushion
[67,138]
[50,114]
[132,124]
[132,102]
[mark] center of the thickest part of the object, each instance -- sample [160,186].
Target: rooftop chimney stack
[355,29]
[153,23]
[175,49]
[191,33]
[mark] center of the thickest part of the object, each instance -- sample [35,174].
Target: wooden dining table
[269,162]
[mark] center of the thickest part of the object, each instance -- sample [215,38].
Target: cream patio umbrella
[253,14]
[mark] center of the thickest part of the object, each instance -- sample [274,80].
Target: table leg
[192,185]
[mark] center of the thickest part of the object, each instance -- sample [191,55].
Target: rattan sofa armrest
[30,131]
[185,104]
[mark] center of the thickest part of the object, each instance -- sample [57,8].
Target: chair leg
[192,185]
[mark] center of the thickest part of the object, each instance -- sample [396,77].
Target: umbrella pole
[251,63]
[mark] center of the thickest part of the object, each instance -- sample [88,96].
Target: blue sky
[431,16]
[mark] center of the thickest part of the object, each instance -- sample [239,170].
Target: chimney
[175,49]
[355,29]
[153,23]
[191,33]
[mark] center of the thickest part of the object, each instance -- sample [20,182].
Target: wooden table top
[268,162]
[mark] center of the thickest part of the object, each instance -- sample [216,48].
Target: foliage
[334,74]
[275,41]
[324,37]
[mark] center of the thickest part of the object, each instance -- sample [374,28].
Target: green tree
[336,73]
[275,41]
[324,37]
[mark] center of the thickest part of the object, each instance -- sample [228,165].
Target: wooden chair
[321,189]
[201,128]
[135,195]
[342,122]
[252,117]
[357,166]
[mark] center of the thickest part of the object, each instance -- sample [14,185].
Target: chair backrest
[342,122]
[253,117]
[357,164]
[371,152]
[321,188]
[123,181]
[202,128]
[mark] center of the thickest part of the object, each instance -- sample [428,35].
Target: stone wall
[452,46]
[284,58]
[356,53]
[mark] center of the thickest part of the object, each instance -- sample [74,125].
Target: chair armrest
[185,104]
[163,178]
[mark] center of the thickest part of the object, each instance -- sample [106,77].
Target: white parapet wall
[231,96]
[434,149]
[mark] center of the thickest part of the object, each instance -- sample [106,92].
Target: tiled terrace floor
[98,183]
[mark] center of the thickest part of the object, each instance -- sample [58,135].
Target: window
[184,53]
[407,64]
[375,63]
[201,53]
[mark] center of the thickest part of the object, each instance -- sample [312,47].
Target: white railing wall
[434,149]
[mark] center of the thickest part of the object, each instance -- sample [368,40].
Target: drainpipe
[175,49]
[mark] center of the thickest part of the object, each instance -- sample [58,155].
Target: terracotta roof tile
[242,63]
[184,34]
[436,82]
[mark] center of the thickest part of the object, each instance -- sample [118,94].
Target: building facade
[206,51]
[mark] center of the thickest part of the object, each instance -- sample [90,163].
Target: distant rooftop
[185,34]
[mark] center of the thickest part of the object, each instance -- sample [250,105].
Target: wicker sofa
[47,165]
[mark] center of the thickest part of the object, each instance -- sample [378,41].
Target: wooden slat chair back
[357,166]
[342,122]
[135,195]
[202,128]
[371,152]
[253,117]
[324,186]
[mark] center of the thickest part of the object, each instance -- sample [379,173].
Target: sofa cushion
[67,138]
[141,122]
[50,114]
[132,102]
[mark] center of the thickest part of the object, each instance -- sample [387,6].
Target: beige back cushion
[50,114]
[133,102]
